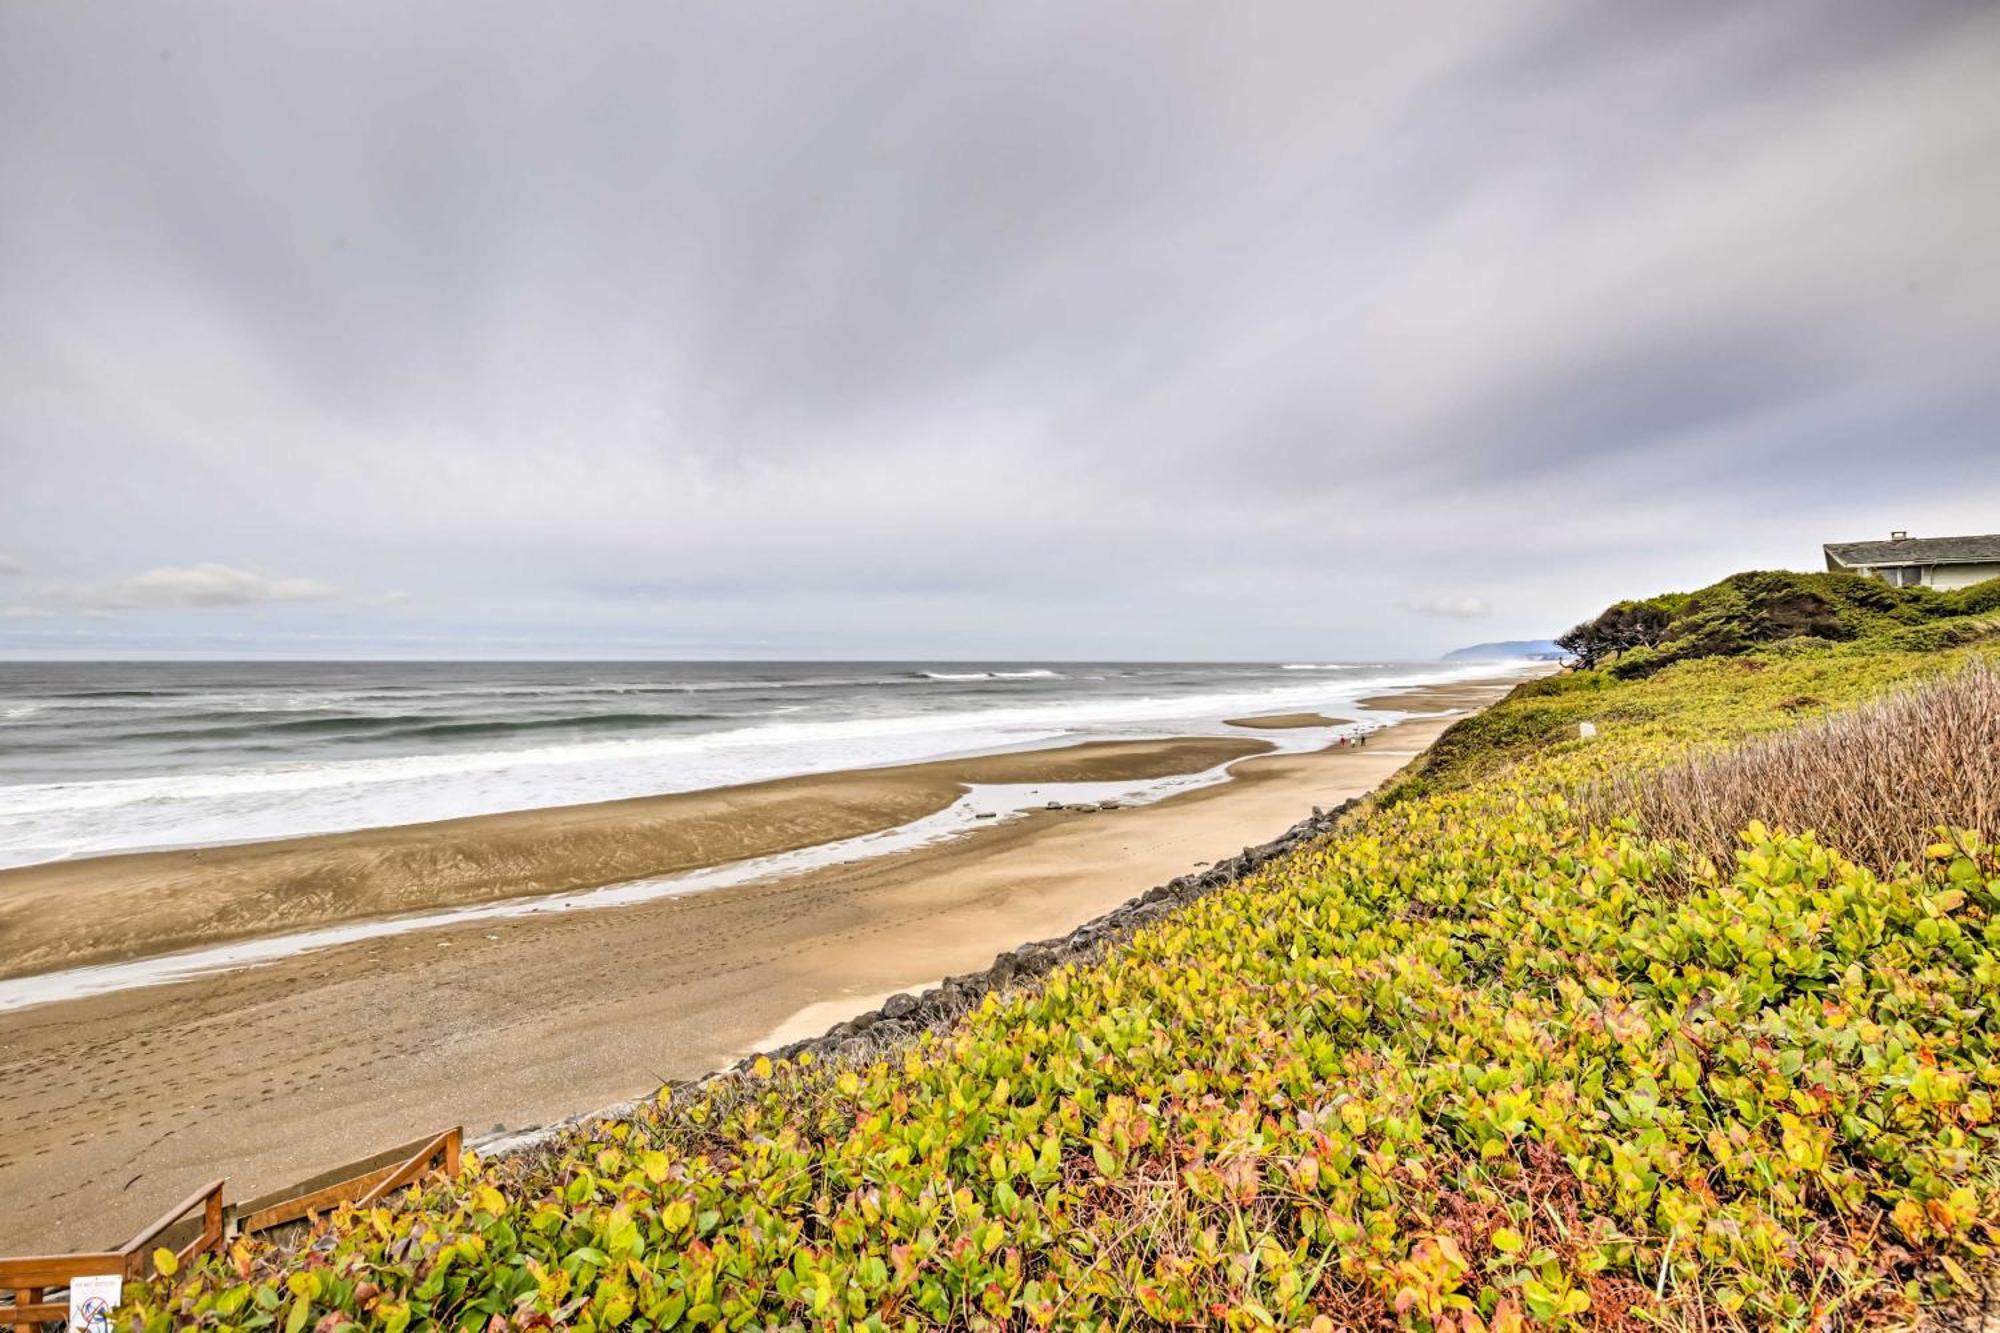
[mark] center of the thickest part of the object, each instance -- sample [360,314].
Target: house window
[1903,576]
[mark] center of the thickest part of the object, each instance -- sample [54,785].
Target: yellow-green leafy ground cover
[1474,1062]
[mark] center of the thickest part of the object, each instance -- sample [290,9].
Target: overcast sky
[955,330]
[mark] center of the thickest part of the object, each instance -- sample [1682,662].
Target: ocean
[99,757]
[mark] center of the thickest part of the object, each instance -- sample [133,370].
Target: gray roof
[1919,551]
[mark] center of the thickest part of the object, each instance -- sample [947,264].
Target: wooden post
[23,1298]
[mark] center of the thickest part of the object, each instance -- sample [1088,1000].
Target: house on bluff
[1911,562]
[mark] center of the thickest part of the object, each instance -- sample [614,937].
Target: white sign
[91,1301]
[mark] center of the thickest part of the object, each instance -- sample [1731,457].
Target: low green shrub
[1981,599]
[1938,637]
[1478,1061]
[1747,612]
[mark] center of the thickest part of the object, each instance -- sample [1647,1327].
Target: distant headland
[1540,650]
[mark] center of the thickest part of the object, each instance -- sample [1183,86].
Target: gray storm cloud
[1044,330]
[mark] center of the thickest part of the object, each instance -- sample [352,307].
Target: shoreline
[122,783]
[74,914]
[1287,721]
[275,1073]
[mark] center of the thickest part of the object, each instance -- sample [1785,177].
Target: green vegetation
[1746,612]
[1875,781]
[1479,1061]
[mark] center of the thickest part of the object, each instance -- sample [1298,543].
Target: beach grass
[1523,1044]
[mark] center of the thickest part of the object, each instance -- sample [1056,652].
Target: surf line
[985,803]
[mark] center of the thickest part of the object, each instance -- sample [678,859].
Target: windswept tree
[1622,627]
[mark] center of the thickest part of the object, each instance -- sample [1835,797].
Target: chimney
[1899,536]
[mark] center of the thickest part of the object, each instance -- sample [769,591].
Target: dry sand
[1279,721]
[110,1107]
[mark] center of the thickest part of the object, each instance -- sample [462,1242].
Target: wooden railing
[34,1279]
[31,1278]
[366,1187]
[443,1150]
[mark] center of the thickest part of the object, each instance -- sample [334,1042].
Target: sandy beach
[1287,721]
[97,909]
[114,1104]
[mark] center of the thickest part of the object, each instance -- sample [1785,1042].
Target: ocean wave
[240,794]
[579,722]
[221,726]
[114,694]
[1039,673]
[415,726]
[1004,722]
[199,702]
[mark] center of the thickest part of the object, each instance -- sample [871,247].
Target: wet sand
[113,1106]
[111,908]
[1472,694]
[1282,721]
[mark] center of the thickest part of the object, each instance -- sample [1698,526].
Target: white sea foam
[378,785]
[44,821]
[981,806]
[1040,673]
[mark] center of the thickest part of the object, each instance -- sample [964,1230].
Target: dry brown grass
[1875,782]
